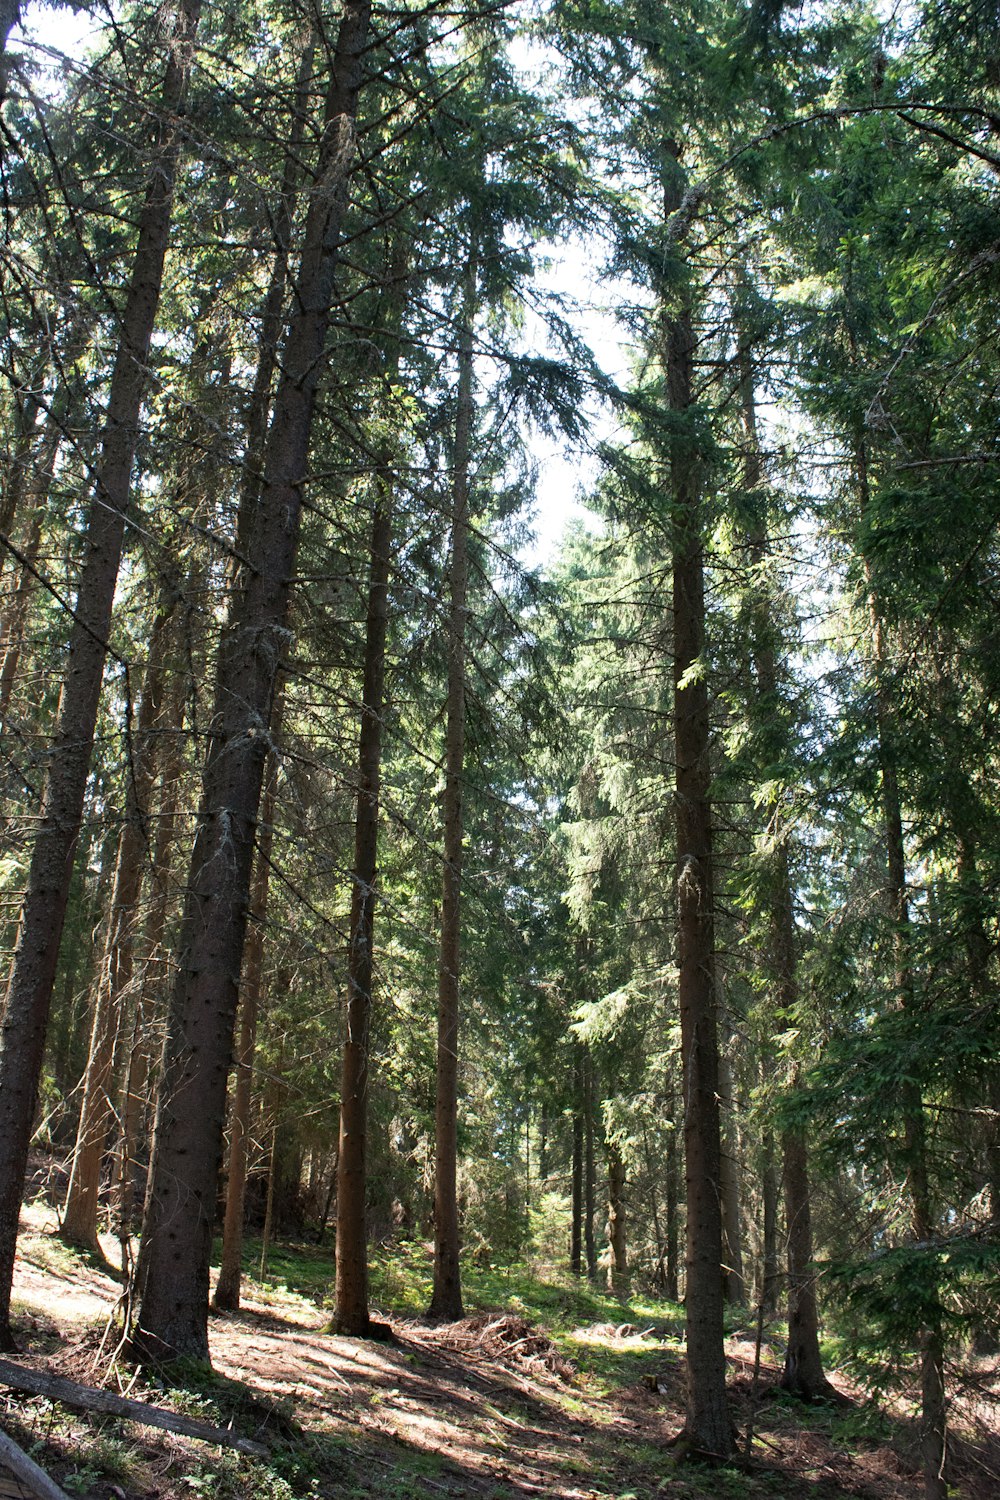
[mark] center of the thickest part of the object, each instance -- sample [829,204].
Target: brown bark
[670,1270]
[114,978]
[576,1197]
[732,1229]
[803,1369]
[10,12]
[617,1223]
[351,1281]
[227,1288]
[589,1174]
[446,1300]
[43,911]
[15,616]
[768,1296]
[708,1429]
[147,1010]
[16,474]
[173,1267]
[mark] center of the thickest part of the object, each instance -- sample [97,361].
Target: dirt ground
[485,1408]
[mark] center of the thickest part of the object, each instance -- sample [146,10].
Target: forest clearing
[499,706]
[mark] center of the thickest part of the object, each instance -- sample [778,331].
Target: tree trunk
[768,1297]
[671,1279]
[803,1369]
[16,475]
[351,1314]
[147,1010]
[446,1300]
[79,1224]
[10,13]
[933,1424]
[589,1175]
[576,1210]
[732,1233]
[173,1268]
[227,1288]
[708,1429]
[618,1265]
[43,912]
[15,616]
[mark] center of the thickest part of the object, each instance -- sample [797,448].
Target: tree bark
[671,1280]
[768,1297]
[227,1288]
[732,1231]
[589,1174]
[351,1315]
[708,1429]
[15,616]
[43,912]
[446,1299]
[79,1224]
[172,1272]
[148,1009]
[803,1368]
[617,1223]
[576,1198]
[10,14]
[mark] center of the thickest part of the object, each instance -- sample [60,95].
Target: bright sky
[563,476]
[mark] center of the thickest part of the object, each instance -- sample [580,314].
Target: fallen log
[27,1472]
[88,1398]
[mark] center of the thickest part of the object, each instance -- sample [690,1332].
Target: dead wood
[27,1471]
[88,1398]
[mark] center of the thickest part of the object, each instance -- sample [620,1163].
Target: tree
[171,1280]
[29,990]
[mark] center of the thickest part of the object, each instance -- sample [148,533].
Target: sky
[564,476]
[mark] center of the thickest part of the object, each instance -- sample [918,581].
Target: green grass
[400,1283]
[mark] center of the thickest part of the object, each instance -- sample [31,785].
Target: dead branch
[27,1471]
[87,1398]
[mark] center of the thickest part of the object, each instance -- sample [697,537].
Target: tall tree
[446,1300]
[171,1281]
[29,990]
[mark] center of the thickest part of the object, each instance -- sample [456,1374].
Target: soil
[488,1407]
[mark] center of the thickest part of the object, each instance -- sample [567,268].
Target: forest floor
[546,1389]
